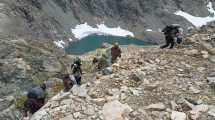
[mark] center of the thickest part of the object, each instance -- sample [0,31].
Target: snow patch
[84,30]
[198,21]
[148,30]
[60,43]
[70,39]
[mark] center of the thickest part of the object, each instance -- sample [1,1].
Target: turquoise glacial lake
[93,42]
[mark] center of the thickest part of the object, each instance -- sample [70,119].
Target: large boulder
[115,110]
[178,115]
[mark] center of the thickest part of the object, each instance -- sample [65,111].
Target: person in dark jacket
[115,52]
[170,32]
[77,70]
[35,99]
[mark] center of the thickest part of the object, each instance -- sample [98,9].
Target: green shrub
[20,102]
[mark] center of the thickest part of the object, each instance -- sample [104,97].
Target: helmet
[77,61]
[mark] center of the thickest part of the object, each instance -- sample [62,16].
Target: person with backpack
[171,33]
[77,70]
[35,100]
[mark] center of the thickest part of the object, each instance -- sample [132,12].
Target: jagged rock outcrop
[23,64]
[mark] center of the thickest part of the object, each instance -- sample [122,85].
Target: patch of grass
[20,102]
[57,87]
[87,66]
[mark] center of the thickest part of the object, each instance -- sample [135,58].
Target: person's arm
[81,70]
[120,51]
[72,66]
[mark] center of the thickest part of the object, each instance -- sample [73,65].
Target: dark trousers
[169,41]
[78,79]
[33,105]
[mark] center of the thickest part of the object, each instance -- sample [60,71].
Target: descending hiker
[35,100]
[77,70]
[170,32]
[103,61]
[68,82]
[115,52]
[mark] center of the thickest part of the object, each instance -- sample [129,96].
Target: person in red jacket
[115,52]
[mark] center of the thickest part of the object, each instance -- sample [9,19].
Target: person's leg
[172,43]
[78,80]
[27,107]
[167,43]
[179,40]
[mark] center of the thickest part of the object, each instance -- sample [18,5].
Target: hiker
[103,60]
[77,70]
[35,100]
[68,82]
[115,52]
[170,32]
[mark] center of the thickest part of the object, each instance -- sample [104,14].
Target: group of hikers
[36,95]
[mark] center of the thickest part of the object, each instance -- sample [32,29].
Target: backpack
[171,30]
[36,93]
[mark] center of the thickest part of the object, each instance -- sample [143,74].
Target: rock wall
[53,18]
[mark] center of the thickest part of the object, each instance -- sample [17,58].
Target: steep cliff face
[54,18]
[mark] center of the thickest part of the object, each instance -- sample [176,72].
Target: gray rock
[178,116]
[69,117]
[99,101]
[138,76]
[212,59]
[115,110]
[211,111]
[211,80]
[194,90]
[107,71]
[90,110]
[156,107]
[191,52]
[80,91]
[205,54]
[174,106]
[136,92]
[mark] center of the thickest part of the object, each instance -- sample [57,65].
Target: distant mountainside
[54,18]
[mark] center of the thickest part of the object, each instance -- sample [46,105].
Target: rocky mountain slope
[147,84]
[54,18]
[23,64]
[28,55]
